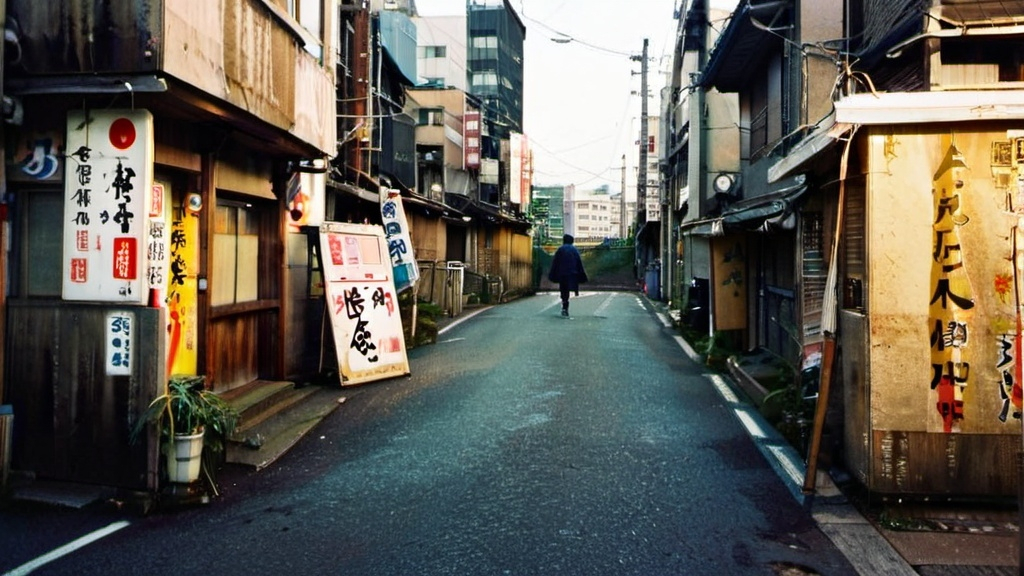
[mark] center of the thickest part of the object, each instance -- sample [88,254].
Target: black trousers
[563,288]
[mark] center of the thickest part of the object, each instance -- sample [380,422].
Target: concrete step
[274,416]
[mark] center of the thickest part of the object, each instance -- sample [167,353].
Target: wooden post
[829,312]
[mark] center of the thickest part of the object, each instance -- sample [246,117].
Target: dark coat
[567,268]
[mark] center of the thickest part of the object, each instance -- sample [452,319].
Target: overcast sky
[579,114]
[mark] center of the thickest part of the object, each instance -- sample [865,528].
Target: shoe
[565,312]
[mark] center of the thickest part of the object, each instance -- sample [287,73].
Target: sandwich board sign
[362,303]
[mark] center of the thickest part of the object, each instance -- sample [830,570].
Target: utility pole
[641,175]
[640,257]
[623,227]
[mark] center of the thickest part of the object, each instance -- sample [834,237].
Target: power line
[567,38]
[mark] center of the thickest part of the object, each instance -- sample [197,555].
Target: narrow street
[522,443]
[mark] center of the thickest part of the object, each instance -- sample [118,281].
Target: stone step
[257,400]
[274,416]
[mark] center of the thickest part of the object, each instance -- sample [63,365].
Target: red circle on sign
[122,133]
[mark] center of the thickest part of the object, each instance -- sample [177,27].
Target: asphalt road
[522,444]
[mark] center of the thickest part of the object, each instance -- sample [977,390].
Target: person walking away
[567,271]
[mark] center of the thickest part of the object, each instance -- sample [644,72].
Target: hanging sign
[396,230]
[107,187]
[362,303]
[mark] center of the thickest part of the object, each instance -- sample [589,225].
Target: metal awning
[361,193]
[752,33]
[926,107]
[429,205]
[705,227]
[823,139]
[762,213]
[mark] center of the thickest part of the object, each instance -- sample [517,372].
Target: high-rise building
[495,63]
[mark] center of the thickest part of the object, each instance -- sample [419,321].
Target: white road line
[783,459]
[604,304]
[556,302]
[753,428]
[723,388]
[66,549]
[793,469]
[460,320]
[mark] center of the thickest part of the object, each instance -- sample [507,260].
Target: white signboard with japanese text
[396,231]
[653,205]
[120,343]
[107,187]
[157,244]
[362,303]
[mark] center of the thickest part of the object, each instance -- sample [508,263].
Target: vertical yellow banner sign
[182,296]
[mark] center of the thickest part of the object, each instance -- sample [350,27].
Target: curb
[853,535]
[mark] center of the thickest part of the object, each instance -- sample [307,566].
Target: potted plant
[191,420]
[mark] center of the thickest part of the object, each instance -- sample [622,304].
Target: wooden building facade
[226,102]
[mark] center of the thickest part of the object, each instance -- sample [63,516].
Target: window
[235,254]
[971,60]
[485,82]
[854,248]
[485,42]
[432,51]
[431,117]
[37,265]
[484,48]
[309,14]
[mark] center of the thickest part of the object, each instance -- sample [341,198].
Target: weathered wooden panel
[729,286]
[236,50]
[948,464]
[244,346]
[73,420]
[940,280]
[172,145]
[259,62]
[87,35]
[241,171]
[194,44]
[314,101]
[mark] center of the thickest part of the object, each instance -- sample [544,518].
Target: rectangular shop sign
[120,343]
[107,201]
[362,303]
